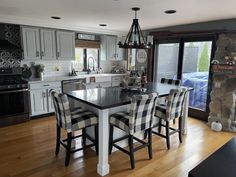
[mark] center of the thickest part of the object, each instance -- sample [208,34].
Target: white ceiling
[86,15]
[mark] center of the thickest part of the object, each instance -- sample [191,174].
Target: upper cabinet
[48,44]
[110,49]
[31,43]
[65,45]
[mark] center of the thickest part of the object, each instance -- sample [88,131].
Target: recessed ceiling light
[102,24]
[55,17]
[170,11]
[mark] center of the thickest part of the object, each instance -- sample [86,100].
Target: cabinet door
[65,45]
[120,52]
[38,100]
[48,44]
[31,43]
[50,102]
[103,50]
[111,47]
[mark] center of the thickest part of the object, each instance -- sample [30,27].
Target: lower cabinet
[40,99]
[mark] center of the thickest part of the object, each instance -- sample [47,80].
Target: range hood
[6,45]
[10,37]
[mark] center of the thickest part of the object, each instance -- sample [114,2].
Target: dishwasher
[72,85]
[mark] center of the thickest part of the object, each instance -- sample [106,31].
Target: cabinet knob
[58,54]
[37,53]
[44,94]
[42,53]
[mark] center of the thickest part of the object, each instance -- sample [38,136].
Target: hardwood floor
[27,150]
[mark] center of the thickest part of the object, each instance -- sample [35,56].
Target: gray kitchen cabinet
[110,49]
[48,44]
[40,99]
[65,45]
[31,43]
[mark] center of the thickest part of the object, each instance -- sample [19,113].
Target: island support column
[103,168]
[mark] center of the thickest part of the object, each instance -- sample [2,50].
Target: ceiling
[86,15]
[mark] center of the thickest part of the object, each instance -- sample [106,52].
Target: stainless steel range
[14,97]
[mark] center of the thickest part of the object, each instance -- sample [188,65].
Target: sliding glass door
[187,60]
[167,65]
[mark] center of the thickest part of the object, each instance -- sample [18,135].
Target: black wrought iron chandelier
[135,38]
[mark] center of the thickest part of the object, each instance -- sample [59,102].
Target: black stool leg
[58,140]
[159,126]
[168,134]
[150,143]
[68,148]
[145,134]
[180,129]
[131,152]
[111,138]
[83,136]
[96,138]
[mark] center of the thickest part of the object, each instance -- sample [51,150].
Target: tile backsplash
[9,59]
[53,68]
[62,68]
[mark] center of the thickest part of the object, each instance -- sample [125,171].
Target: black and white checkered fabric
[170,81]
[174,107]
[140,117]
[71,120]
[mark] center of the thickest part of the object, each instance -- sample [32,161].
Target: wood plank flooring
[27,150]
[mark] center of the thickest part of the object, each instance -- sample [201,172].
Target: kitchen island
[106,101]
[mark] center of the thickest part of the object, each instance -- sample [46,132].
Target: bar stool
[176,82]
[172,110]
[139,118]
[71,121]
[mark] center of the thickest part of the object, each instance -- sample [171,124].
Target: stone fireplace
[223,94]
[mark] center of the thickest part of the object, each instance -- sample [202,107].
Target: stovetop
[10,78]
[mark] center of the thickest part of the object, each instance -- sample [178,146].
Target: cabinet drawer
[44,85]
[116,79]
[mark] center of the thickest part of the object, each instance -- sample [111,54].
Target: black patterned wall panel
[10,58]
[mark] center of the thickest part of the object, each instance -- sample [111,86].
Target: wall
[223,94]
[228,24]
[10,58]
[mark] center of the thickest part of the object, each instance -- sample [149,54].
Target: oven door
[14,102]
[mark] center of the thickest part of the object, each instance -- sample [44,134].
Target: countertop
[108,97]
[60,78]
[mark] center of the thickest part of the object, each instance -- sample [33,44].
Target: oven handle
[14,91]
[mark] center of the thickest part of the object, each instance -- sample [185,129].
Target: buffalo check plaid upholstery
[170,81]
[174,107]
[71,120]
[139,118]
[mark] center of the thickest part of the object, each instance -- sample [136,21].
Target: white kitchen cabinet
[116,81]
[110,49]
[38,101]
[50,101]
[31,43]
[65,45]
[48,44]
[41,102]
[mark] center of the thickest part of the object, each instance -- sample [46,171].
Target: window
[86,58]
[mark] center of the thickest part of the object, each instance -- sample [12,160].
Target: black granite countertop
[103,98]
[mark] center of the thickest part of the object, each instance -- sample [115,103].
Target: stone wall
[223,94]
